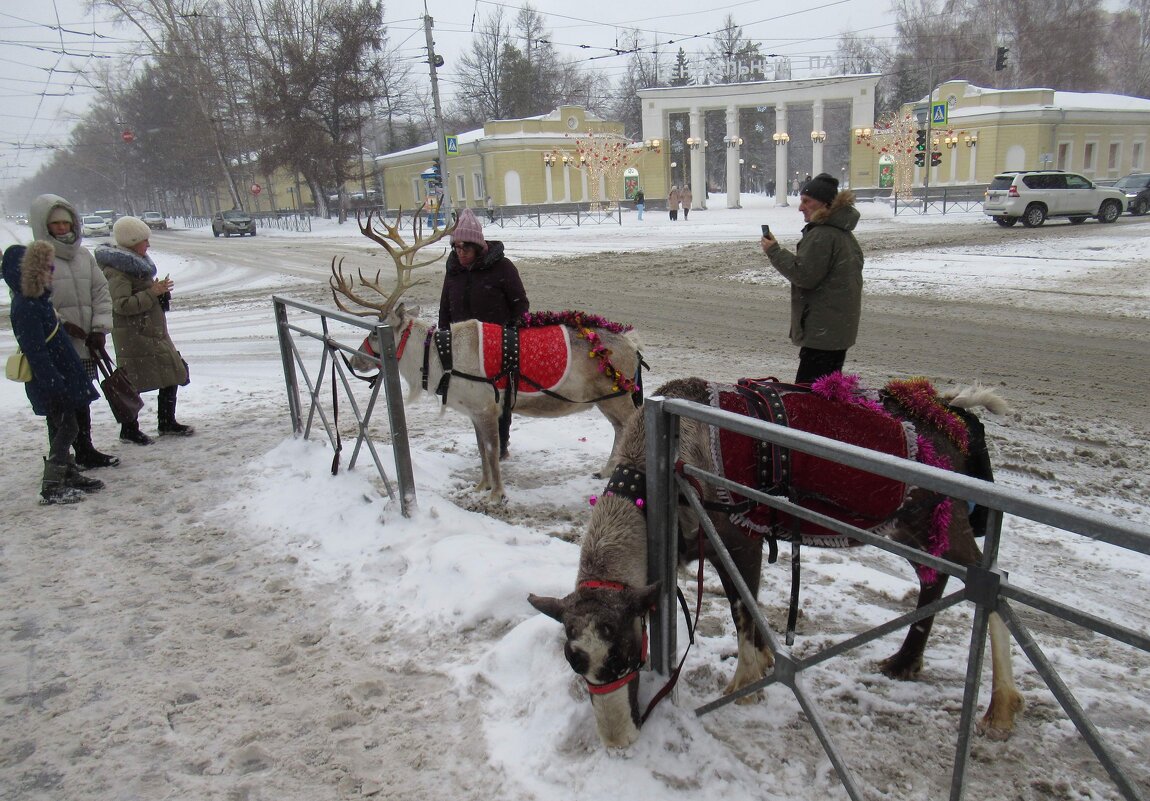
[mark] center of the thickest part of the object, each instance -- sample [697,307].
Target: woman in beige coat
[139,324]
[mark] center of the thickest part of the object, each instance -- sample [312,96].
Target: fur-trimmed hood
[841,213]
[126,261]
[28,270]
[42,206]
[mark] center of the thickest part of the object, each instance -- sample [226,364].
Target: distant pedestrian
[771,187]
[795,185]
[826,275]
[685,198]
[640,200]
[490,209]
[673,203]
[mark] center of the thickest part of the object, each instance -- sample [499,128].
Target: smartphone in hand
[766,231]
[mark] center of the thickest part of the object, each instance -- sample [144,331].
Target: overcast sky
[51,47]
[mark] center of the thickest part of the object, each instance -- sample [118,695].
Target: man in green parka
[825,272]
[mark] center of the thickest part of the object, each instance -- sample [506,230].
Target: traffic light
[1000,59]
[920,140]
[919,159]
[935,158]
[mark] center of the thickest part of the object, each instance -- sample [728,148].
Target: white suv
[1034,195]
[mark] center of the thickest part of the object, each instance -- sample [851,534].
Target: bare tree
[177,30]
[480,75]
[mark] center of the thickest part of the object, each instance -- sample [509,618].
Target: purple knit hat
[468,229]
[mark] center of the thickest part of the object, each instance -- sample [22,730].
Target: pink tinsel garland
[575,319]
[920,400]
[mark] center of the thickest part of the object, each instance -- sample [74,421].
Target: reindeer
[603,618]
[458,365]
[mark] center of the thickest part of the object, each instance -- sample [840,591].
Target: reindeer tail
[975,395]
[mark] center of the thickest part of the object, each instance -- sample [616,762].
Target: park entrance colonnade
[694,101]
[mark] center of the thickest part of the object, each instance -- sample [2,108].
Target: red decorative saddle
[844,493]
[544,356]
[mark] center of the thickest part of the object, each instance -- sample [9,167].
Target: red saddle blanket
[844,493]
[544,356]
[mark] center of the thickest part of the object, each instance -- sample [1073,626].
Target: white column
[583,184]
[698,182]
[817,147]
[547,182]
[734,175]
[782,180]
[566,182]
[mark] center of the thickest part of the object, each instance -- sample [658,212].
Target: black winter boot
[77,480]
[53,488]
[86,454]
[130,432]
[167,415]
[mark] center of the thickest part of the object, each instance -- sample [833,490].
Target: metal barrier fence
[557,215]
[987,587]
[293,355]
[944,199]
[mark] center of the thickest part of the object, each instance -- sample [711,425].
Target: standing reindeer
[477,368]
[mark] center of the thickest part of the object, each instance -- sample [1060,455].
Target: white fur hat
[130,231]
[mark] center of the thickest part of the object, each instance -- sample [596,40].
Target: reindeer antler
[402,253]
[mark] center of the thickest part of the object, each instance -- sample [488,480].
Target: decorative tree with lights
[895,135]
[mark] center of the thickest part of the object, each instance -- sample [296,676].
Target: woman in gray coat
[139,324]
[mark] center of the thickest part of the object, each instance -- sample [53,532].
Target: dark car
[236,221]
[1137,189]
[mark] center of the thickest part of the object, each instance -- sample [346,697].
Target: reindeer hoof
[900,668]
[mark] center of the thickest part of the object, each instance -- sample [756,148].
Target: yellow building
[531,161]
[988,131]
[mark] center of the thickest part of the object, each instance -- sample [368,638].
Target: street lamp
[951,142]
[781,138]
[549,159]
[863,134]
[653,144]
[971,140]
[818,136]
[733,141]
[695,142]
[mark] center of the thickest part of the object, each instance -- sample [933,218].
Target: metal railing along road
[986,585]
[294,335]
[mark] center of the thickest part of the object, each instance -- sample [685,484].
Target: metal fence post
[288,365]
[396,419]
[662,542]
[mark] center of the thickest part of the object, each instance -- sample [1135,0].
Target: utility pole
[435,62]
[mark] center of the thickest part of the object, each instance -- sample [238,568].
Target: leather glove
[96,341]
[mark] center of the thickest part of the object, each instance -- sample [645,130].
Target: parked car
[109,215]
[236,221]
[1035,195]
[154,220]
[94,225]
[1137,189]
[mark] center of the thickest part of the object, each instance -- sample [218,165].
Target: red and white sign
[128,136]
[256,189]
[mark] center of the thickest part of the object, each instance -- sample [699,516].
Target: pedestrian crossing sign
[451,144]
[937,114]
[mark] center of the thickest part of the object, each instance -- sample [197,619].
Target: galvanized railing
[331,366]
[987,587]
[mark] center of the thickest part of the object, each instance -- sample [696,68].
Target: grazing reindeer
[603,617]
[468,366]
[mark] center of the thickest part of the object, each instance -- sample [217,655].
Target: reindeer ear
[552,607]
[644,598]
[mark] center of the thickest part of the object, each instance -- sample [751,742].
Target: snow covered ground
[229,620]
